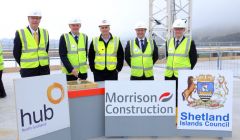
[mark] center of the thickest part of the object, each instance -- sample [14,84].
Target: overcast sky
[216,13]
[123,14]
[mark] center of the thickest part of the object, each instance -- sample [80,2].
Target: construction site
[212,55]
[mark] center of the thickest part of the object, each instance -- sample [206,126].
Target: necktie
[177,43]
[76,39]
[142,45]
[35,36]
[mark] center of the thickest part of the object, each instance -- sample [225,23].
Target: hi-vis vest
[76,53]
[141,62]
[105,57]
[178,59]
[33,54]
[1,58]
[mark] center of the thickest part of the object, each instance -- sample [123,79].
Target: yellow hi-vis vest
[1,58]
[178,59]
[141,62]
[33,54]
[76,53]
[105,57]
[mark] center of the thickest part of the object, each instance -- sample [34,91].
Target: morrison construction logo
[165,97]
[135,101]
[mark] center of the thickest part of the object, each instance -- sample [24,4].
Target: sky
[56,13]
[122,14]
[216,16]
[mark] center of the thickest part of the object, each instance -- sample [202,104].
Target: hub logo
[50,92]
[46,113]
[165,97]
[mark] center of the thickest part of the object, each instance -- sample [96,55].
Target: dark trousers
[175,79]
[41,70]
[73,78]
[2,90]
[141,78]
[105,75]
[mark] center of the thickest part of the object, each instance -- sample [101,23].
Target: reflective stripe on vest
[33,54]
[141,63]
[178,59]
[105,58]
[76,53]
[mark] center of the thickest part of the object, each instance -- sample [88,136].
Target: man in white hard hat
[181,53]
[31,46]
[141,54]
[73,51]
[105,54]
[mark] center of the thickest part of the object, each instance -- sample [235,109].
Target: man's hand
[75,72]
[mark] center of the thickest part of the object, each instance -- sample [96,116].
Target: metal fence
[211,55]
[220,59]
[214,56]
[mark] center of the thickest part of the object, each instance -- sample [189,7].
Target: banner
[205,100]
[41,105]
[140,98]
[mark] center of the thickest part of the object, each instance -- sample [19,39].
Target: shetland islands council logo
[206,91]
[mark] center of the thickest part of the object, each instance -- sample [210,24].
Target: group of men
[105,54]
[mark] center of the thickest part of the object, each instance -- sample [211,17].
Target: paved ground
[8,130]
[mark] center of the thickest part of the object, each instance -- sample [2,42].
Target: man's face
[140,32]
[75,28]
[179,32]
[34,21]
[105,30]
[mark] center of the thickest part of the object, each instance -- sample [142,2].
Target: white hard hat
[35,13]
[179,23]
[140,25]
[104,23]
[75,21]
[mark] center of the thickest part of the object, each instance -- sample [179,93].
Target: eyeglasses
[35,18]
[104,27]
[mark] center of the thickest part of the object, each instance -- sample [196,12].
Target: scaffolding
[162,14]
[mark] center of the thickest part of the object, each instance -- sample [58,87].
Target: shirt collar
[74,34]
[101,39]
[32,31]
[178,39]
[107,38]
[141,39]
